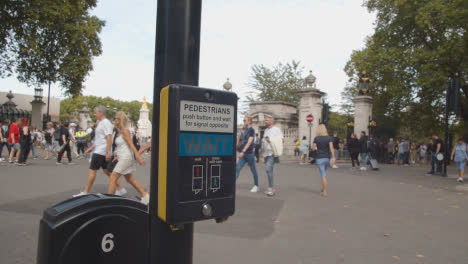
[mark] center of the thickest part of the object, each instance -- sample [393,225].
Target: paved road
[395,215]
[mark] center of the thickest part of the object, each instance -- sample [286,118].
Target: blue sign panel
[205,145]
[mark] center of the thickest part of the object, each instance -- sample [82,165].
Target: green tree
[338,123]
[416,46]
[279,83]
[69,105]
[48,41]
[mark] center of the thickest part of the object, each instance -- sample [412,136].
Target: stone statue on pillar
[363,105]
[363,83]
[144,124]
[85,116]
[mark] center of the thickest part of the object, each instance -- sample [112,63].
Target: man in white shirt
[101,151]
[271,134]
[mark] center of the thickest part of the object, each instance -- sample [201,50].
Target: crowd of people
[399,152]
[112,147]
[251,149]
[115,149]
[22,140]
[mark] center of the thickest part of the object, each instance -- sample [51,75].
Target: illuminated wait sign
[205,145]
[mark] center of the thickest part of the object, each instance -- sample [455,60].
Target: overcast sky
[235,35]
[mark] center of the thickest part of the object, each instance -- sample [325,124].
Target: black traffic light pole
[447,113]
[177,56]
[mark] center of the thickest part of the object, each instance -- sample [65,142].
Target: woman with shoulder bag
[325,155]
[126,154]
[460,156]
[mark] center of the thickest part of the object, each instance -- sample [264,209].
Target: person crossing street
[101,150]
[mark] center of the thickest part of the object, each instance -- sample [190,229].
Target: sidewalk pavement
[395,215]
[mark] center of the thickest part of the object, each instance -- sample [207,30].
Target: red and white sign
[310,118]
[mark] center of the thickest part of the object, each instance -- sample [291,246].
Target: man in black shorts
[101,151]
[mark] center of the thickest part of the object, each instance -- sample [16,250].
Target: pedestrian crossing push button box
[197,161]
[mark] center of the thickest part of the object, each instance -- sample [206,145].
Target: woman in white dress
[126,154]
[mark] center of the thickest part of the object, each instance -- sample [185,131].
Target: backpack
[48,138]
[91,135]
[57,135]
[5,131]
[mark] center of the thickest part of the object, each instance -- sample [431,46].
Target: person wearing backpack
[64,145]
[50,143]
[57,135]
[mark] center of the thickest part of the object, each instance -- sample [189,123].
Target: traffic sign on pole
[309,118]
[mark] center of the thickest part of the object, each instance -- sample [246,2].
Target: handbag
[241,145]
[111,165]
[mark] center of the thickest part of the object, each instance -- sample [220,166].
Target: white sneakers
[334,166]
[363,168]
[145,199]
[460,179]
[120,192]
[80,194]
[254,189]
[270,192]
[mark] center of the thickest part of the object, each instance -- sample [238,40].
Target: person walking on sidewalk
[50,143]
[25,143]
[64,144]
[354,148]
[101,151]
[437,147]
[297,151]
[13,139]
[323,144]
[73,146]
[257,145]
[126,153]
[80,137]
[272,149]
[363,150]
[304,150]
[245,145]
[4,127]
[460,156]
[336,146]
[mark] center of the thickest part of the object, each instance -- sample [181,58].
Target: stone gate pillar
[310,103]
[362,113]
[36,113]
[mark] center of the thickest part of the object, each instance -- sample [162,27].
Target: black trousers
[25,149]
[81,147]
[354,157]
[257,154]
[62,150]
[7,145]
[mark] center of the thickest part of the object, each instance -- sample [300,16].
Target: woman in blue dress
[460,156]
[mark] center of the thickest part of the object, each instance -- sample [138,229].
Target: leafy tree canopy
[416,46]
[48,41]
[68,106]
[279,83]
